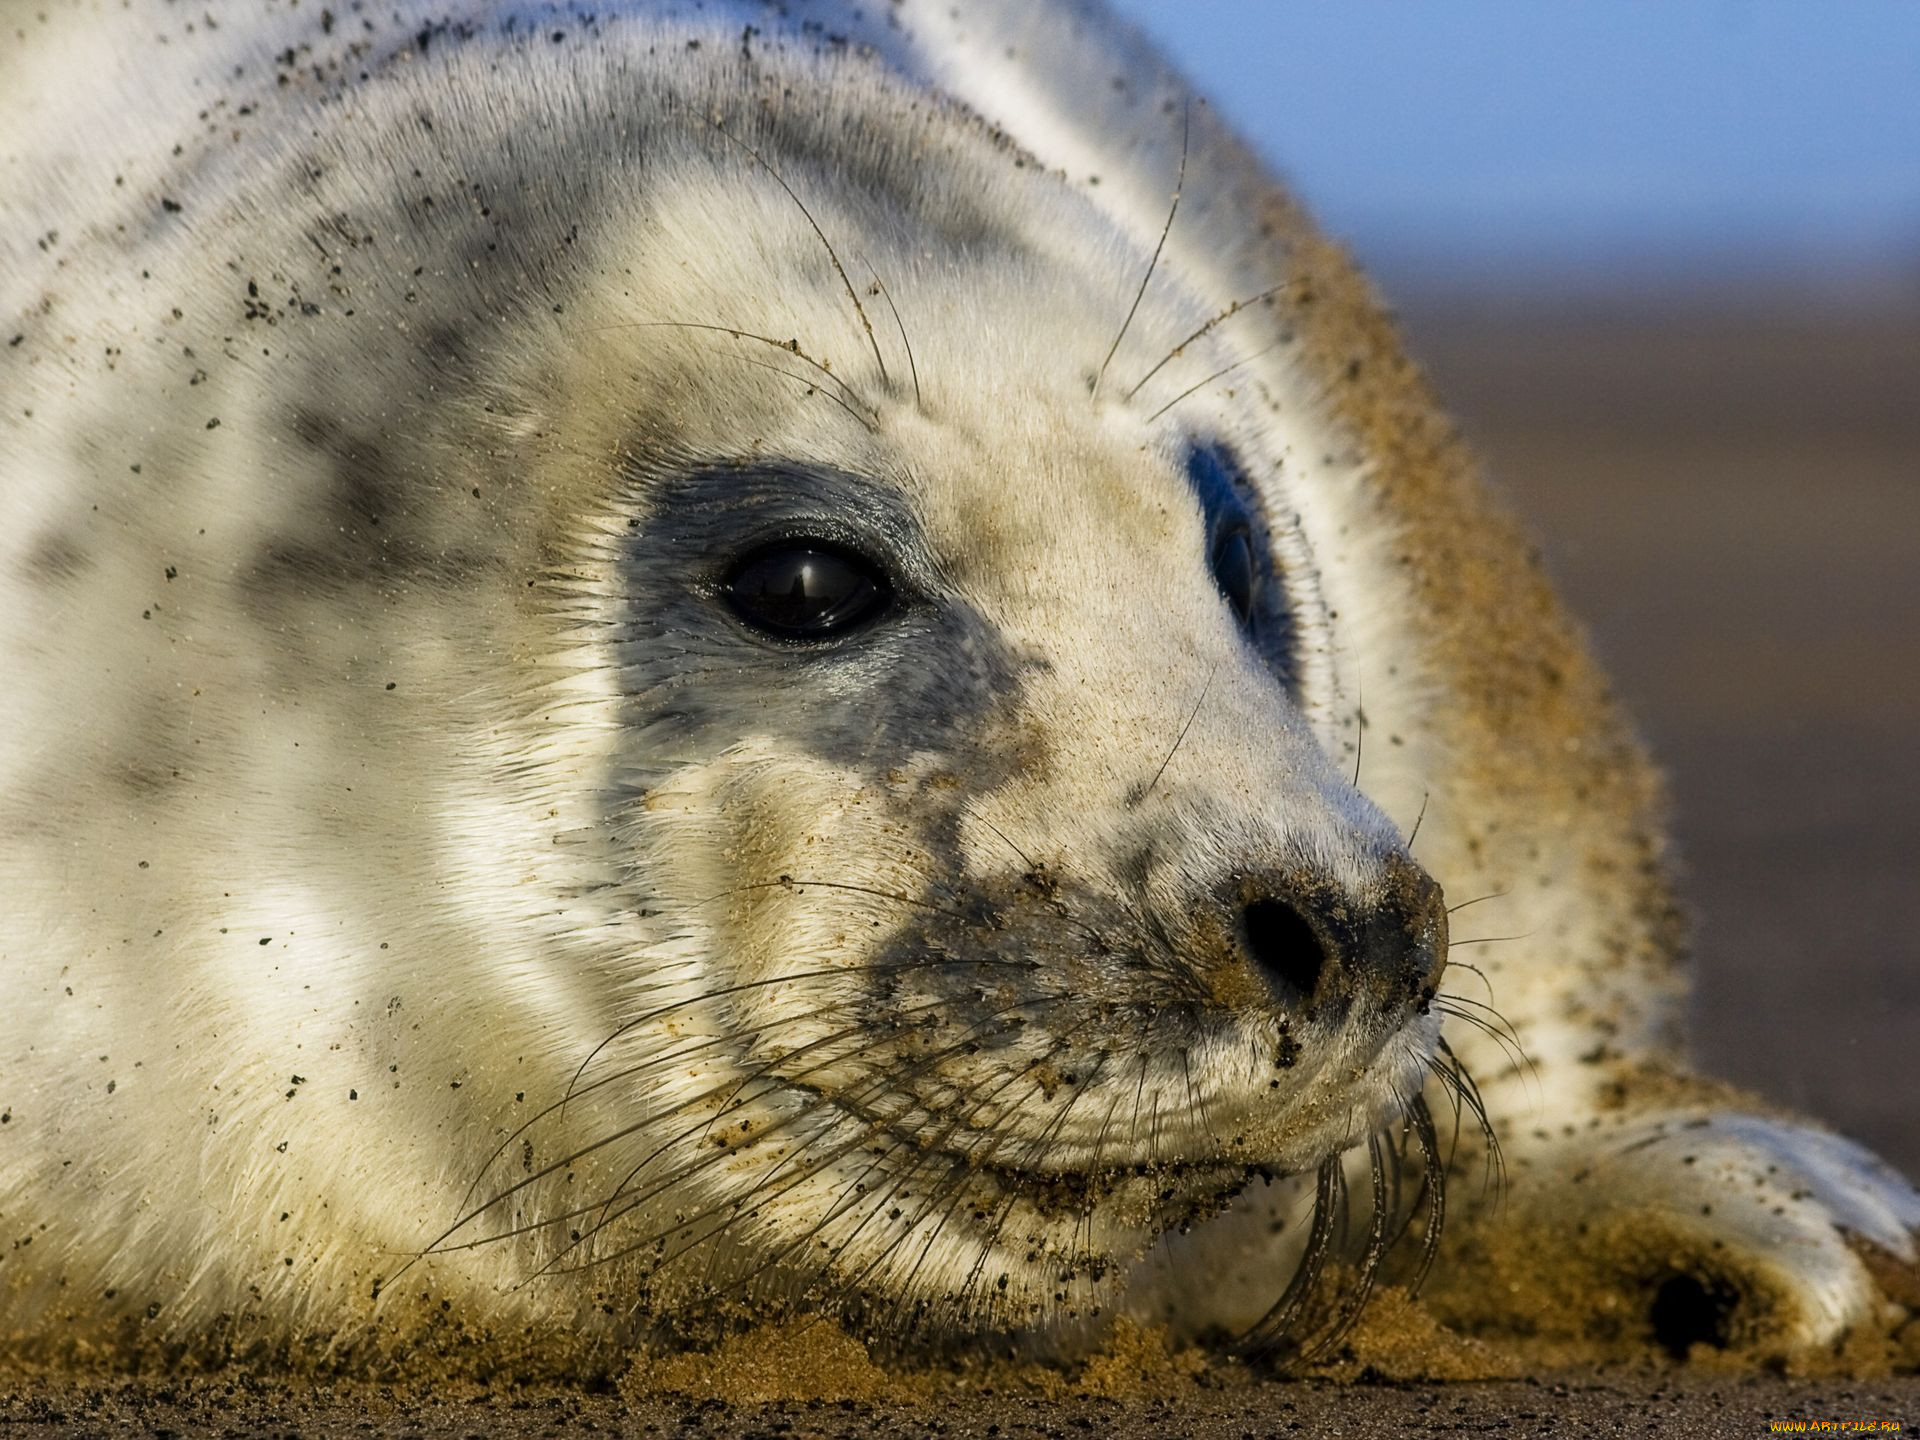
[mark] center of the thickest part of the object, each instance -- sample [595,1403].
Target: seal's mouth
[1050,1188]
[1116,1185]
[1197,1099]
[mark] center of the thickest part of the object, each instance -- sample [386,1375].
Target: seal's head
[966,745]
[765,692]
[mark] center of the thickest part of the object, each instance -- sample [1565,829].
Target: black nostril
[1285,947]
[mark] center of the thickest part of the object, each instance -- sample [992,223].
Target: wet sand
[1733,504]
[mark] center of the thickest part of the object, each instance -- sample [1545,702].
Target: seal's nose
[1284,947]
[1316,944]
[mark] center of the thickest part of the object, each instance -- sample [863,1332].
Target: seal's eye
[806,590]
[1235,572]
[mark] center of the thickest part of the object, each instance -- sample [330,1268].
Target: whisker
[1397,1160]
[1449,1083]
[1388,1224]
[1139,1089]
[648,1120]
[1179,184]
[788,882]
[1081,1241]
[1007,1210]
[559,1264]
[812,387]
[1492,1011]
[819,1162]
[439,1245]
[1106,1122]
[853,1194]
[1221,373]
[1369,1264]
[870,418]
[737,1205]
[1268,1334]
[731,1105]
[1454,1076]
[1473,970]
[1194,1097]
[963,1165]
[1490,895]
[1435,1189]
[886,293]
[1493,1027]
[671,1059]
[891,1079]
[1025,858]
[1227,314]
[1032,1150]
[832,254]
[1496,1029]
[1359,730]
[827,972]
[1418,820]
[948,1198]
[1182,737]
[633,1072]
[1467,1000]
[961,1169]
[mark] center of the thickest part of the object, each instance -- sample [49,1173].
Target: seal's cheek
[790,870]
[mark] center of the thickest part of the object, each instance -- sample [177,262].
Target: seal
[681,661]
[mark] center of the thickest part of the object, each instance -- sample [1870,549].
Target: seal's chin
[979,1253]
[1147,1197]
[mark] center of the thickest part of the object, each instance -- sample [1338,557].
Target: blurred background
[1663,259]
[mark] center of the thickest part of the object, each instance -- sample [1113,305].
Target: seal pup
[688,658]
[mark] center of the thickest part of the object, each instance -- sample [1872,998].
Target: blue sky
[1584,133]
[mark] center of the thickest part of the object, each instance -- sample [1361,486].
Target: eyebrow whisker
[1179,184]
[1218,374]
[813,387]
[1225,315]
[790,347]
[832,254]
[886,294]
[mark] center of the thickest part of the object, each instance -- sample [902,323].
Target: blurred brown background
[1728,490]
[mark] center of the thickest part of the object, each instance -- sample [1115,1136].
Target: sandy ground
[1734,506]
[1647,1407]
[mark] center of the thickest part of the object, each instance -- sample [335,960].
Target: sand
[1647,1405]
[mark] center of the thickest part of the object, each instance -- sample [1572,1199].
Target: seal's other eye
[1240,555]
[806,590]
[1235,572]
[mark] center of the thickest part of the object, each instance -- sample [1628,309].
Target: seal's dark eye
[1242,557]
[806,590]
[1235,573]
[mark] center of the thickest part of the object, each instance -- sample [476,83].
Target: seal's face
[966,745]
